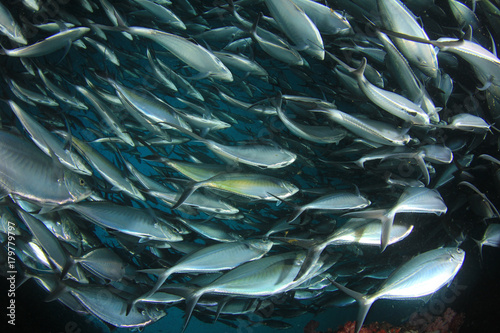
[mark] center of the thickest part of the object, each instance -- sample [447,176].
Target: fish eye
[82,182]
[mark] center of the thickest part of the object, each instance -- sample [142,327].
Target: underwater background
[470,301]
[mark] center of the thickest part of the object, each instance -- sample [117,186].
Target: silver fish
[192,54]
[49,144]
[297,26]
[371,130]
[422,275]
[129,220]
[27,172]
[9,27]
[48,45]
[213,258]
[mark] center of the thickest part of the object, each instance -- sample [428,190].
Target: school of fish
[214,155]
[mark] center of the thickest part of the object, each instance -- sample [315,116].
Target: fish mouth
[430,71]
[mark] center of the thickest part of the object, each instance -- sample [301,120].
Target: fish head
[155,313]
[316,52]
[18,36]
[428,65]
[223,74]
[364,202]
[405,138]
[261,245]
[421,118]
[339,24]
[169,233]
[290,188]
[78,165]
[457,255]
[71,232]
[77,186]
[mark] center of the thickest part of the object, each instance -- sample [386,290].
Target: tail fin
[191,301]
[360,71]
[365,302]
[480,245]
[296,213]
[253,30]
[310,260]
[383,215]
[186,194]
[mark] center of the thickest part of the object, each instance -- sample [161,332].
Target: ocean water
[474,291]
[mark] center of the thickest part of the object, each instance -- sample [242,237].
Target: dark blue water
[474,291]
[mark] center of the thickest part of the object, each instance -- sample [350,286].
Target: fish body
[48,45]
[48,143]
[192,54]
[253,186]
[396,17]
[129,220]
[27,172]
[9,27]
[297,26]
[371,130]
[422,275]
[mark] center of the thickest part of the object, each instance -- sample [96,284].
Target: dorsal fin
[468,34]
[360,71]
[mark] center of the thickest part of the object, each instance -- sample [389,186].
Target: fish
[103,263]
[53,249]
[263,277]
[339,201]
[111,120]
[109,307]
[372,130]
[29,96]
[162,13]
[105,168]
[238,156]
[61,94]
[263,156]
[113,216]
[49,144]
[252,186]
[9,27]
[319,134]
[396,17]
[26,172]
[422,275]
[107,52]
[490,237]
[389,101]
[327,20]
[213,258]
[297,26]
[48,45]
[412,200]
[190,53]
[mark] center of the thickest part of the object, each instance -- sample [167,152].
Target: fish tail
[383,215]
[162,276]
[387,222]
[480,245]
[364,301]
[255,25]
[191,302]
[186,194]
[361,69]
[310,261]
[296,213]
[3,50]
